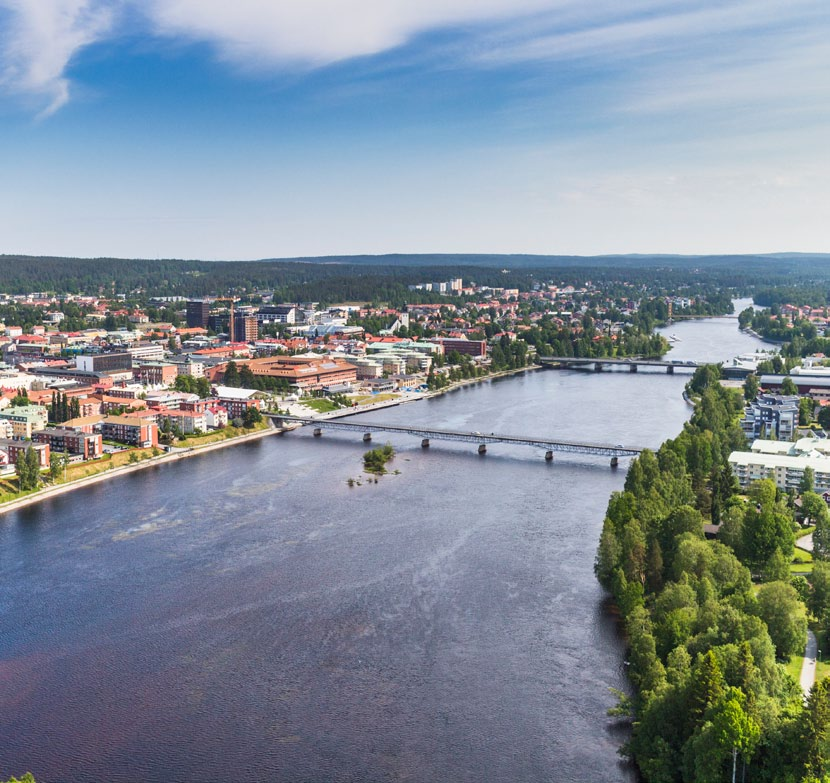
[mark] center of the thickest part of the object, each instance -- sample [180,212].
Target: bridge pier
[425,443]
[598,367]
[482,448]
[614,462]
[367,437]
[670,369]
[317,432]
[632,368]
[548,456]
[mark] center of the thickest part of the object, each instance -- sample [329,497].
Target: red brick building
[133,432]
[62,439]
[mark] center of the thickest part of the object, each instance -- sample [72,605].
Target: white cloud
[315,32]
[39,39]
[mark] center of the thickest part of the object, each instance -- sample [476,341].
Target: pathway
[808,665]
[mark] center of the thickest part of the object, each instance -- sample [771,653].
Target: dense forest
[708,621]
[386,278]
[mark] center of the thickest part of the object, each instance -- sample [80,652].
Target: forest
[386,278]
[708,623]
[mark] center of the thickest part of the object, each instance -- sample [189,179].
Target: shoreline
[194,451]
[70,486]
[428,394]
[767,340]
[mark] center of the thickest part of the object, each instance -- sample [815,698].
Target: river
[247,615]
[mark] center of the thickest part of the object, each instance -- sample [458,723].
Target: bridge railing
[427,434]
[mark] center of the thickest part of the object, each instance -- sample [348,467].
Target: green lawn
[793,666]
[218,435]
[801,568]
[802,561]
[368,399]
[321,405]
[823,666]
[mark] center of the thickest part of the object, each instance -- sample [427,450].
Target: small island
[374,460]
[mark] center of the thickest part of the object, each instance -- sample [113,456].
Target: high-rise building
[245,328]
[198,311]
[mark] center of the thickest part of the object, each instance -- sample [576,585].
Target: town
[90,383]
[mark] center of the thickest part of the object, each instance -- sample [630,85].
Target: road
[808,666]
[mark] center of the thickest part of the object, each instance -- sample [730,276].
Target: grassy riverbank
[123,462]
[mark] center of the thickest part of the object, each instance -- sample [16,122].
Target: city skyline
[260,129]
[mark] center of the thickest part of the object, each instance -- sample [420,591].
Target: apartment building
[771,415]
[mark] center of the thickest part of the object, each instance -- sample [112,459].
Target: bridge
[426,435]
[600,362]
[634,363]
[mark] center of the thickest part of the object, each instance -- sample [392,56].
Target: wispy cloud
[38,38]
[318,32]
[662,52]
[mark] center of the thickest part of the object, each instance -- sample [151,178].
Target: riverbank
[463,565]
[769,341]
[174,456]
[193,451]
[407,397]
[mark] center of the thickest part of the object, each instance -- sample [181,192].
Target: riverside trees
[703,646]
[28,470]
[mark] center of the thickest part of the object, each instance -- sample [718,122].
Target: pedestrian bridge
[429,434]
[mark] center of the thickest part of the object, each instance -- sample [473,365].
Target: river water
[247,615]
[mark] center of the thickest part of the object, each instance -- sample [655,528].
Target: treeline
[703,644]
[63,408]
[386,278]
[591,340]
[243,377]
[799,295]
[799,336]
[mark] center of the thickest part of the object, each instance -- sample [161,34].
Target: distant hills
[528,261]
[388,277]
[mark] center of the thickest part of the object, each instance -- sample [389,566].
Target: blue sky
[266,128]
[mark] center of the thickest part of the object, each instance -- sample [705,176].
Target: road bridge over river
[634,363]
[428,434]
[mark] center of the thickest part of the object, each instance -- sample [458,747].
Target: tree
[231,377]
[807,483]
[777,567]
[813,506]
[786,618]
[732,728]
[28,469]
[819,597]
[55,466]
[823,417]
[805,411]
[251,417]
[247,379]
[751,387]
[815,735]
[21,399]
[788,387]
[821,540]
